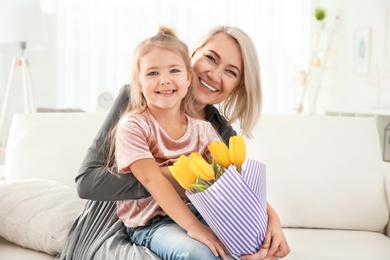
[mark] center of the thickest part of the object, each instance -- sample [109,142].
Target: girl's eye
[175,71]
[231,73]
[152,73]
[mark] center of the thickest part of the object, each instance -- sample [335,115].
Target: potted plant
[320,14]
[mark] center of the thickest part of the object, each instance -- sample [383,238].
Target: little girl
[158,126]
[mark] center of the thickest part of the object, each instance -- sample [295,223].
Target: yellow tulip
[195,155]
[220,152]
[213,148]
[237,150]
[182,173]
[201,168]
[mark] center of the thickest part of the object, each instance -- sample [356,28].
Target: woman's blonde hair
[244,104]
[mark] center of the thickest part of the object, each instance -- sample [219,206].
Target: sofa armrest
[386,173]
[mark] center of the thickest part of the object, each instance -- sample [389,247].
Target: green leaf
[199,187]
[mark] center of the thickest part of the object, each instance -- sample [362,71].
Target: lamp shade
[21,21]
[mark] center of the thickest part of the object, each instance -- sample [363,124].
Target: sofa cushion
[49,145]
[325,244]
[11,251]
[37,213]
[323,172]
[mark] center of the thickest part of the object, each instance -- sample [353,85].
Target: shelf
[358,111]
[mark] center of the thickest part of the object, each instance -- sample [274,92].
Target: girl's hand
[199,231]
[206,236]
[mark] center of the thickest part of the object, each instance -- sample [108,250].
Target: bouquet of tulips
[231,200]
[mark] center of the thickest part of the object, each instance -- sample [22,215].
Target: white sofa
[325,179]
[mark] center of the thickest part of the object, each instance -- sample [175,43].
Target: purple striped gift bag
[235,208]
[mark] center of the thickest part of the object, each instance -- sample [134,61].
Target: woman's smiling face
[218,68]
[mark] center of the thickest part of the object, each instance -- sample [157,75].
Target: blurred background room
[328,57]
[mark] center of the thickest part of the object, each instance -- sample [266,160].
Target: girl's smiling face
[163,78]
[218,68]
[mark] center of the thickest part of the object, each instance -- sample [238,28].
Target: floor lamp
[21,30]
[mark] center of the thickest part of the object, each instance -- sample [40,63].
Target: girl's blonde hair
[244,104]
[165,39]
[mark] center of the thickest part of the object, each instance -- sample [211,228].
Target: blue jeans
[169,241]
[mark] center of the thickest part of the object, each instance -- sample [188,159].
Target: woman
[227,73]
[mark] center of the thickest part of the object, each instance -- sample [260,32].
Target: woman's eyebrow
[219,57]
[215,53]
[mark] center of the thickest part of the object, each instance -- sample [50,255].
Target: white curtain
[96,39]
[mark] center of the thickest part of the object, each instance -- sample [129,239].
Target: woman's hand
[275,241]
[260,255]
[257,257]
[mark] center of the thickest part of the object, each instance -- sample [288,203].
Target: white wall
[343,87]
[350,89]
